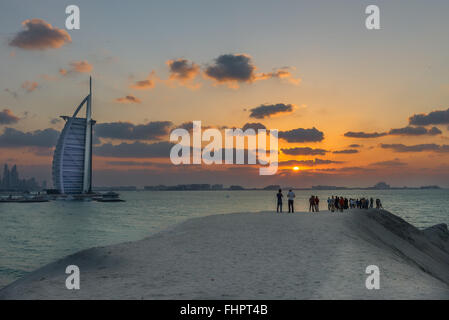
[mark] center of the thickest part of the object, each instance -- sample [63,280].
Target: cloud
[434,117]
[134,163]
[346,151]
[302,135]
[355,145]
[29,86]
[82,66]
[182,70]
[145,84]
[232,68]
[364,135]
[135,150]
[39,35]
[304,151]
[7,117]
[254,125]
[416,148]
[282,74]
[13,138]
[269,110]
[128,99]
[308,163]
[127,131]
[415,131]
[389,163]
[56,121]
[13,93]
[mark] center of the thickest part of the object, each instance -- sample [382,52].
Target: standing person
[312,204]
[337,203]
[291,197]
[329,202]
[332,204]
[317,204]
[341,204]
[371,202]
[279,196]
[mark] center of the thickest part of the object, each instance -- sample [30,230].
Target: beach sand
[258,256]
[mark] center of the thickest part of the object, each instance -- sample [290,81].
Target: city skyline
[10,180]
[353,106]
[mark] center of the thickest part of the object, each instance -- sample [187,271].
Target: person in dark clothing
[317,204]
[312,204]
[279,196]
[371,202]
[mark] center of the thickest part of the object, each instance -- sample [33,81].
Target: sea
[34,234]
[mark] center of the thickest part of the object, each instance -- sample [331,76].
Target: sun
[295,168]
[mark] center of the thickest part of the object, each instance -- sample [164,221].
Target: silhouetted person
[341,204]
[378,204]
[279,196]
[317,204]
[312,204]
[291,197]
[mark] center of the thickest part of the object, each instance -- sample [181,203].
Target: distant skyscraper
[14,178]
[72,161]
[5,180]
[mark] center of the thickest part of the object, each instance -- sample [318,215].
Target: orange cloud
[81,66]
[282,74]
[30,86]
[40,35]
[145,84]
[128,99]
[7,117]
[184,72]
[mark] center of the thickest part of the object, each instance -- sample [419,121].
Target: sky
[353,106]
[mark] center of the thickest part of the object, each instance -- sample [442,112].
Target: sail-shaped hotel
[72,161]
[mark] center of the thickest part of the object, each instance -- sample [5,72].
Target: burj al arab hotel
[72,160]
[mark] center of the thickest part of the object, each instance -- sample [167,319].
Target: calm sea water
[35,234]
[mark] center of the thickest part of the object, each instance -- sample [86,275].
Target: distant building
[10,181]
[381,186]
[328,188]
[272,187]
[5,180]
[72,160]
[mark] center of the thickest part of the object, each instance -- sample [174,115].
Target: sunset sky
[353,106]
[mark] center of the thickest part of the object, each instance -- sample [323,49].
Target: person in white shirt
[291,197]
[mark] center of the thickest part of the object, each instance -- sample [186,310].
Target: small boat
[109,197]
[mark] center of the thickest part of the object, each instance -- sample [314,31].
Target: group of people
[333,204]
[291,197]
[339,203]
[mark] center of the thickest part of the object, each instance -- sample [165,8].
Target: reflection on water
[33,234]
